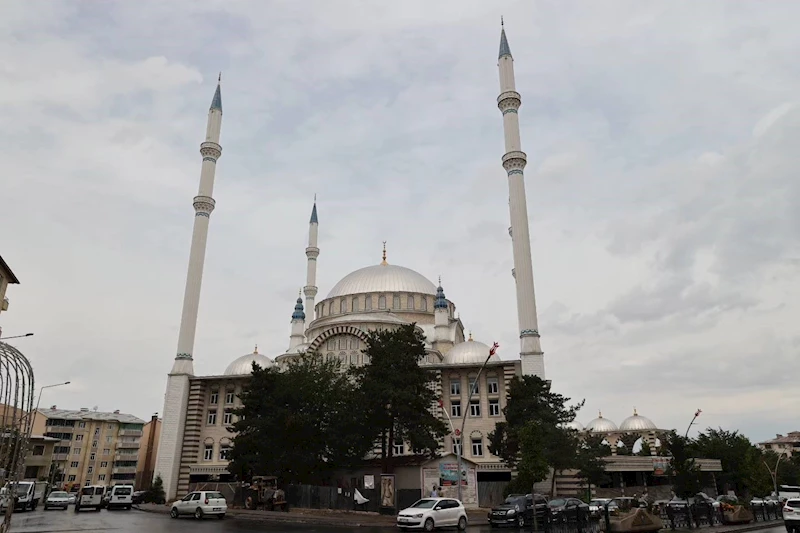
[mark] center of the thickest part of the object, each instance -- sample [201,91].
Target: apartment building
[93,448]
[147,453]
[788,444]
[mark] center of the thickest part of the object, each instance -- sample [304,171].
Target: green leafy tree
[645,450]
[591,462]
[533,432]
[299,423]
[155,494]
[743,470]
[397,394]
[683,470]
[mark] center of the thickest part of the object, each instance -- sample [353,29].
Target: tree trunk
[389,464]
[553,484]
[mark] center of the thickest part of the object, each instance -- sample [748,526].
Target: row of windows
[474,408]
[224,452]
[93,455]
[477,446]
[492,386]
[71,478]
[354,358]
[60,422]
[230,395]
[343,343]
[227,418]
[357,301]
[103,464]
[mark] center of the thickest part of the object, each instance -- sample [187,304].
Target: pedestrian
[434,492]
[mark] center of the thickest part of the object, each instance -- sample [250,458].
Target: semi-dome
[469,352]
[243,366]
[574,425]
[601,425]
[637,422]
[383,278]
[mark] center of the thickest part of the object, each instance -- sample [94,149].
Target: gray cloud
[663,202]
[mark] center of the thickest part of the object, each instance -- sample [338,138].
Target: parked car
[71,498]
[121,497]
[518,510]
[430,513]
[568,508]
[200,504]
[91,497]
[702,497]
[597,506]
[791,515]
[138,496]
[58,499]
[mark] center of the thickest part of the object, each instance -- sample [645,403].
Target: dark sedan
[518,511]
[569,509]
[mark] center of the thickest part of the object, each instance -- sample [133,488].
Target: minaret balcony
[509,100]
[210,149]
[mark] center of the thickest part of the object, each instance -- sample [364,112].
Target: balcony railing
[130,432]
[60,456]
[59,429]
[123,470]
[128,445]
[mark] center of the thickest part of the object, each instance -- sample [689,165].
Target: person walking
[434,492]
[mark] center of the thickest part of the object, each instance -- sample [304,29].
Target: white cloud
[661,185]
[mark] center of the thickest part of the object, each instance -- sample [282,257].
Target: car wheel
[429,524]
[173,513]
[521,521]
[462,523]
[221,516]
[198,513]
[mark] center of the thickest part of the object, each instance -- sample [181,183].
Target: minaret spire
[514,162]
[296,338]
[176,397]
[312,252]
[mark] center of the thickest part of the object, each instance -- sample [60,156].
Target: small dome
[636,422]
[601,425]
[243,366]
[469,352]
[383,278]
[574,425]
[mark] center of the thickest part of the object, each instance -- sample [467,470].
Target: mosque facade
[195,441]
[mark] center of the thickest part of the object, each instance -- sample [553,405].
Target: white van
[91,498]
[28,494]
[121,497]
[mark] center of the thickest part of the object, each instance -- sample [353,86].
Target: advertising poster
[660,466]
[448,475]
[387,490]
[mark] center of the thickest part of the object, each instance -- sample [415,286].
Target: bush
[155,494]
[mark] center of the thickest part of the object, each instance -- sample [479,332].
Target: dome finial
[384,254]
[470,336]
[255,350]
[599,414]
[634,411]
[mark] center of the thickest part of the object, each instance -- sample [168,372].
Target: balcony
[55,428]
[130,432]
[123,470]
[132,455]
[128,445]
[60,456]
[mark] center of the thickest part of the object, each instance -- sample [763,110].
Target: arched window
[342,343]
[411,302]
[354,343]
[355,304]
[424,304]
[382,302]
[342,306]
[353,358]
[396,302]
[368,302]
[330,308]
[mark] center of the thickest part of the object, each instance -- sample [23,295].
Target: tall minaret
[176,398]
[297,336]
[514,162]
[312,252]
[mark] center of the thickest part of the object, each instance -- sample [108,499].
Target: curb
[756,526]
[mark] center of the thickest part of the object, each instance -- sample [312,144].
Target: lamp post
[460,434]
[36,409]
[16,337]
[696,414]
[774,473]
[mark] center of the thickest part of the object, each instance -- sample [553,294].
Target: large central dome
[383,278]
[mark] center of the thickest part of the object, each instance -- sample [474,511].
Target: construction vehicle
[263,492]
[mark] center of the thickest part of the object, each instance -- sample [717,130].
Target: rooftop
[67,414]
[791,437]
[4,266]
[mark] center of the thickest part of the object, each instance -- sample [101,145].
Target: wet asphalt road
[56,521]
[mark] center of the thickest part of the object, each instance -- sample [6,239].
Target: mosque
[195,442]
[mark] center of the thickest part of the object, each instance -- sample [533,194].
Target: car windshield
[22,489]
[87,491]
[59,494]
[123,491]
[215,496]
[558,502]
[515,499]
[425,504]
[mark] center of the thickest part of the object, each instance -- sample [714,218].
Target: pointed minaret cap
[298,310]
[441,301]
[314,219]
[216,102]
[504,49]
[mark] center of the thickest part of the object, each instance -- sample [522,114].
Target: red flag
[440,403]
[495,346]
[698,412]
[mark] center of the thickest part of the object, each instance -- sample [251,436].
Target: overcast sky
[662,186]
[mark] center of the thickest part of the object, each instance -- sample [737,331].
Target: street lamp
[696,414]
[36,410]
[774,473]
[460,434]
[16,337]
[47,387]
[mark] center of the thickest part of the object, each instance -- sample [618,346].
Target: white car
[791,515]
[58,499]
[430,513]
[121,497]
[200,504]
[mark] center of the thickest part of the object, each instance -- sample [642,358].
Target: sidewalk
[318,517]
[740,528]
